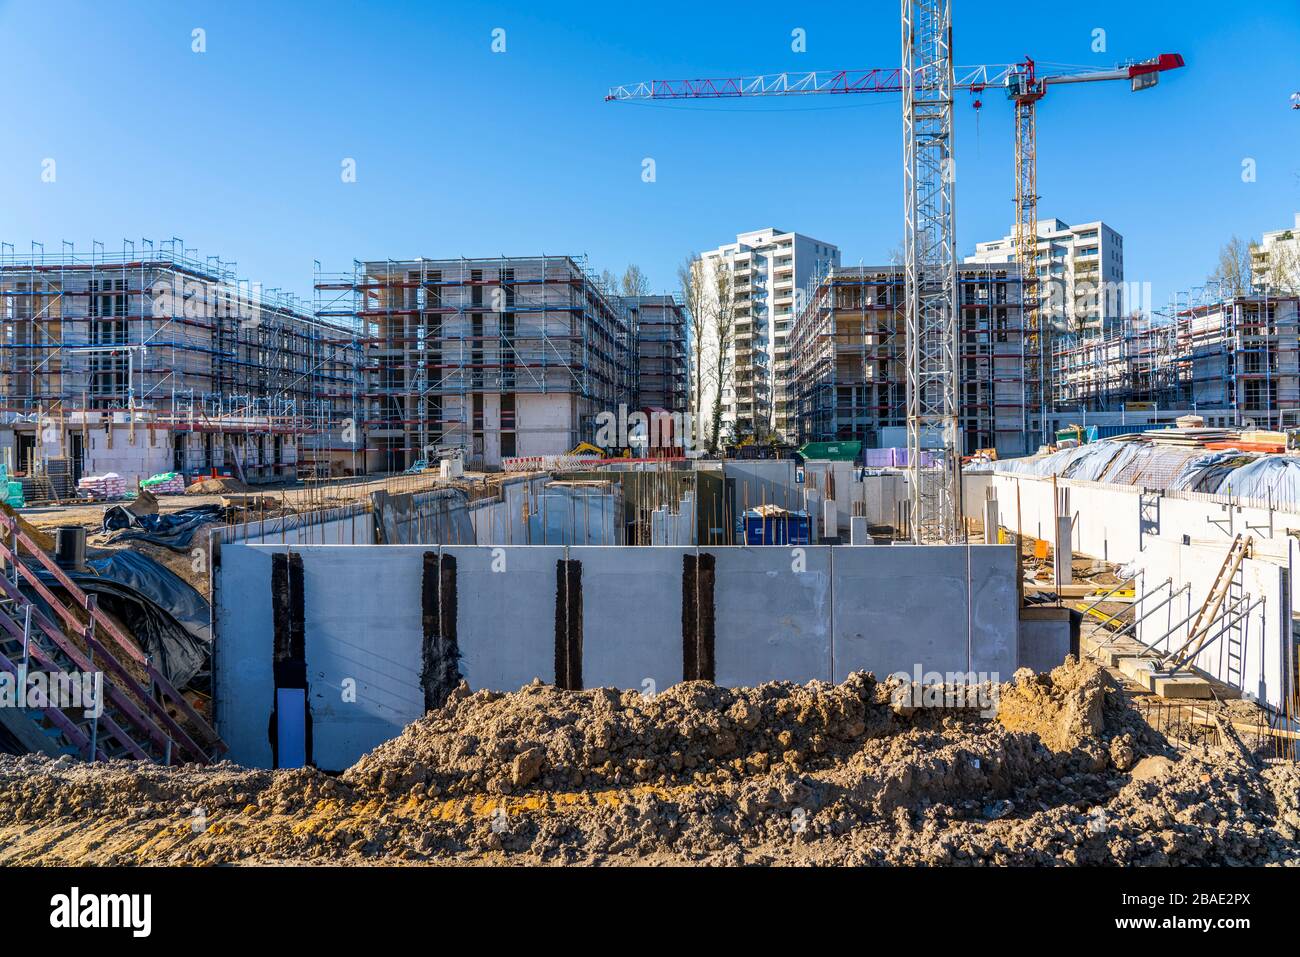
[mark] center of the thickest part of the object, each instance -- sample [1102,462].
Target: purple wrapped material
[928,459]
[879,458]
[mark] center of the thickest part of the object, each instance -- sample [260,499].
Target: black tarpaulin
[174,530]
[168,618]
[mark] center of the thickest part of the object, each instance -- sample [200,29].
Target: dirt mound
[1076,702]
[544,737]
[215,486]
[829,774]
[42,539]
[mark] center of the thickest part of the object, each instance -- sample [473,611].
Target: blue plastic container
[786,528]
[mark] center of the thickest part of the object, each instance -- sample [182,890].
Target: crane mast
[930,273]
[1025,93]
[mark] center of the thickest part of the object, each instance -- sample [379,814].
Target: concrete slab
[243,682]
[631,616]
[364,636]
[773,614]
[506,614]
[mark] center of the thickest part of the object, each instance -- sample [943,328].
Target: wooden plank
[116,695]
[102,620]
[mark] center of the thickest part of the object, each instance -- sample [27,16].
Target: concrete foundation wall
[793,614]
[346,525]
[765,482]
[1253,653]
[774,613]
[631,616]
[1184,536]
[505,611]
[944,608]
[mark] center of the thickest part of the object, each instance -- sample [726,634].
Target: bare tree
[635,282]
[724,327]
[1233,269]
[695,297]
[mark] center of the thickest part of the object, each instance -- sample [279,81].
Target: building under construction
[499,357]
[849,357]
[1239,355]
[660,323]
[214,372]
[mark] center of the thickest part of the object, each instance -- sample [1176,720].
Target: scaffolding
[1205,352]
[848,356]
[449,349]
[154,335]
[1244,356]
[660,368]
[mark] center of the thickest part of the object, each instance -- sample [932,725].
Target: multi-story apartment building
[1275,261]
[660,324]
[1080,274]
[211,371]
[769,270]
[1239,357]
[499,357]
[850,357]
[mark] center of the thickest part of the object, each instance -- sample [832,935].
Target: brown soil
[1068,774]
[216,486]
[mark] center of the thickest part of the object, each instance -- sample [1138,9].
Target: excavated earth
[856,773]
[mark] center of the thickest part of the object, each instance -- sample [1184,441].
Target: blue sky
[460,151]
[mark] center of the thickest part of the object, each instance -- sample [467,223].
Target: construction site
[149,361]
[436,569]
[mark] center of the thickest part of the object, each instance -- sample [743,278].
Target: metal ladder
[1234,642]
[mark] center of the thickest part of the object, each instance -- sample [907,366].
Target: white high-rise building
[770,270]
[1080,273]
[1275,261]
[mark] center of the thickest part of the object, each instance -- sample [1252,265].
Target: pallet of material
[1187,438]
[106,486]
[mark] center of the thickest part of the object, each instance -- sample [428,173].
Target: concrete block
[859,533]
[773,614]
[1180,686]
[1110,653]
[1044,639]
[1138,669]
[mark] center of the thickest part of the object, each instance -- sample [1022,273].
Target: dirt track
[784,774]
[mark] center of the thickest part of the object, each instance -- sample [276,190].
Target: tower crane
[927,80]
